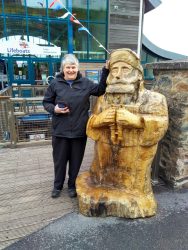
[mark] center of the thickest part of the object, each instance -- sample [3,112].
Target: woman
[67,99]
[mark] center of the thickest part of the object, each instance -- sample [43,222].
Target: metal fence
[22,116]
[33,127]
[4,124]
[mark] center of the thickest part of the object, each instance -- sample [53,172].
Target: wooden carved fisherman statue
[127,124]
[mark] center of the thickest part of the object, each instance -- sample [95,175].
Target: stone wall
[171,79]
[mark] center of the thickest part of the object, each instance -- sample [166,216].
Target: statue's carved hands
[128,119]
[105,118]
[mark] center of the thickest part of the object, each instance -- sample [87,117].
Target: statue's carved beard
[124,91]
[121,98]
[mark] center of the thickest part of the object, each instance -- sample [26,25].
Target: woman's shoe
[72,192]
[55,193]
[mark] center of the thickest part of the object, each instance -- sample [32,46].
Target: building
[34,35]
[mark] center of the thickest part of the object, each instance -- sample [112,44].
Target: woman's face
[70,71]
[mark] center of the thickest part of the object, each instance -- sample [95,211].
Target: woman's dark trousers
[67,150]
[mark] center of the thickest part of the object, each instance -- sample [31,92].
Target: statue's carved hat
[126,55]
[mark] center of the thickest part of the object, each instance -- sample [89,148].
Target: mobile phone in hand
[62,105]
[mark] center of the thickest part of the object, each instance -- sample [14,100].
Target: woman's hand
[58,110]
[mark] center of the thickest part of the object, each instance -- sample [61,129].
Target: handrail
[5,97]
[6,91]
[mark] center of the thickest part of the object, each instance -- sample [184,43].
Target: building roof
[151,4]
[161,52]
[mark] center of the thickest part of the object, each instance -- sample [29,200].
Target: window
[14,7]
[143,57]
[97,10]
[79,7]
[1,27]
[15,26]
[56,67]
[80,42]
[39,29]
[148,58]
[20,70]
[58,34]
[36,8]
[1,9]
[96,52]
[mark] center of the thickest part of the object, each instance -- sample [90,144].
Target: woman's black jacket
[76,96]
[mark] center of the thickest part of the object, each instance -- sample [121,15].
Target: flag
[83,28]
[73,20]
[76,21]
[58,6]
[65,15]
[41,4]
[53,3]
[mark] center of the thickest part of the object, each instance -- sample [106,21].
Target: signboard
[37,137]
[23,47]
[93,75]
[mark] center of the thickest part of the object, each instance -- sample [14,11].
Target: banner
[28,48]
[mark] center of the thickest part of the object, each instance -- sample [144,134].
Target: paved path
[26,209]
[26,180]
[166,231]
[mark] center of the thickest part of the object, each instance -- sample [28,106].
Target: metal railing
[23,119]
[28,90]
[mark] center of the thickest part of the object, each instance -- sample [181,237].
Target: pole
[70,30]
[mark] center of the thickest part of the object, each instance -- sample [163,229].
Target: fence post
[12,123]
[4,126]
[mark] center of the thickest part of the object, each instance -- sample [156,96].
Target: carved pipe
[113,134]
[120,133]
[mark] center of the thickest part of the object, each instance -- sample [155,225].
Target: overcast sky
[167,26]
